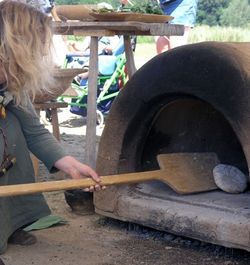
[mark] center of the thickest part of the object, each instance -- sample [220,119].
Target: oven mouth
[194,126]
[186,124]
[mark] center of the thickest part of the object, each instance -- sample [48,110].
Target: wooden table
[103,28]
[52,107]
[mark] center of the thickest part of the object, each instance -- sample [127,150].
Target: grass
[230,34]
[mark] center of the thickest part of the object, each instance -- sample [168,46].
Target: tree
[237,14]
[210,11]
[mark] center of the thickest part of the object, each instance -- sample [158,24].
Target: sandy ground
[95,240]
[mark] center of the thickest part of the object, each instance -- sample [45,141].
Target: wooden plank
[159,29]
[50,105]
[126,27]
[91,32]
[90,150]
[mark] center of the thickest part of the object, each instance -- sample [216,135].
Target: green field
[145,48]
[206,33]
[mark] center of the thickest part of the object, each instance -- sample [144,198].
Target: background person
[184,13]
[79,58]
[105,46]
[25,68]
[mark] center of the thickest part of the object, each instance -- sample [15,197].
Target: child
[25,69]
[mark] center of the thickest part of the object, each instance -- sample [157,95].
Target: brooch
[8,160]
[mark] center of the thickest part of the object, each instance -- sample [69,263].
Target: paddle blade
[188,173]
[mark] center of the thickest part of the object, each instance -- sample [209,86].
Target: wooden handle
[30,188]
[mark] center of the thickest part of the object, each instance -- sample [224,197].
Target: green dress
[24,134]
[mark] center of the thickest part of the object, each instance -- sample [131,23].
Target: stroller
[111,79]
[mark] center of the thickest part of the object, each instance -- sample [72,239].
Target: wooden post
[90,155]
[129,56]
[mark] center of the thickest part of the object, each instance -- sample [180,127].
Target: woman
[184,13]
[25,69]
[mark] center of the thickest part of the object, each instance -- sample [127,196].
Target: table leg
[90,150]
[129,56]
[55,123]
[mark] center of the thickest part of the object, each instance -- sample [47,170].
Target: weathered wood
[129,56]
[90,155]
[53,106]
[55,124]
[90,32]
[121,28]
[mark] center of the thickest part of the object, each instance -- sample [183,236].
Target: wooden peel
[184,172]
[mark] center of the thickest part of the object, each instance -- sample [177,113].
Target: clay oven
[195,98]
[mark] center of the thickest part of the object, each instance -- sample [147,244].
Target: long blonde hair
[25,50]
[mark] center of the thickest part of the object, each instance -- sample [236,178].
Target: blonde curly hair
[25,50]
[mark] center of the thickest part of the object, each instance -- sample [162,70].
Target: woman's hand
[78,170]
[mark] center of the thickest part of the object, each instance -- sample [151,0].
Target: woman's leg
[176,41]
[164,43]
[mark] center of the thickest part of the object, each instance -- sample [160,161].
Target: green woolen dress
[24,134]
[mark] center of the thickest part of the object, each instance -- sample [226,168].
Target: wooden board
[129,16]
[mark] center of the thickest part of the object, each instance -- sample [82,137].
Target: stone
[80,202]
[229,178]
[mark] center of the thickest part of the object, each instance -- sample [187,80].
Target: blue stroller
[112,78]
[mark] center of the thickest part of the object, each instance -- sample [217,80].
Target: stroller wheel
[99,118]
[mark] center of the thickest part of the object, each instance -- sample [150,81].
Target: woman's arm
[45,147]
[39,140]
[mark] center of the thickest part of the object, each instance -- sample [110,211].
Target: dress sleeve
[39,140]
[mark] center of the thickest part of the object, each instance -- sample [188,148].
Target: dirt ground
[95,240]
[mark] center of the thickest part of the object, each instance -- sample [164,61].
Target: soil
[92,239]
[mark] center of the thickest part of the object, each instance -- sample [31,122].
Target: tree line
[234,13]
